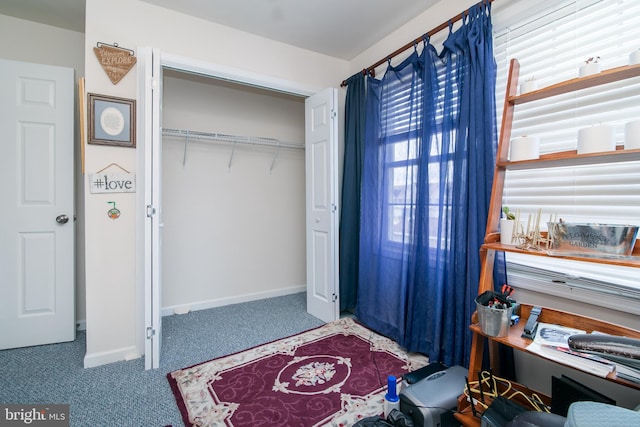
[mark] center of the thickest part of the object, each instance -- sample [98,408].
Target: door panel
[322,235]
[150,79]
[37,304]
[156,219]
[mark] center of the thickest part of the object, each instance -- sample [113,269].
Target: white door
[37,258]
[151,104]
[321,153]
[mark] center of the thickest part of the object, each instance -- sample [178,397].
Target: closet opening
[239,218]
[233,193]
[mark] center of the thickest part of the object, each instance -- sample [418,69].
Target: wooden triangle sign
[115,61]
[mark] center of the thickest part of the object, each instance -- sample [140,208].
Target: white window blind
[550,45]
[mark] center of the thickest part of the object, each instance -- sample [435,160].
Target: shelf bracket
[275,156]
[231,156]
[186,143]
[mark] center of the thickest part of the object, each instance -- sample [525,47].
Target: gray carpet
[123,393]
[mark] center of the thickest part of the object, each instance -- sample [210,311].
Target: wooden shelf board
[632,261]
[604,77]
[576,321]
[572,158]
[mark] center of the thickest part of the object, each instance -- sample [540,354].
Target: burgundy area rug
[333,375]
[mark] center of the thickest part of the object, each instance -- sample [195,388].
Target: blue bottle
[391,399]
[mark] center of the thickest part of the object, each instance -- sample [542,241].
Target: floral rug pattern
[333,375]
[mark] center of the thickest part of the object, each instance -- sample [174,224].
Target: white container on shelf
[632,135]
[528,86]
[524,148]
[634,57]
[589,69]
[596,139]
[507,227]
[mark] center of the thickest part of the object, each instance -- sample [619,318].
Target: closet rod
[251,140]
[371,70]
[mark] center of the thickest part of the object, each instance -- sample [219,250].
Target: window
[401,170]
[401,158]
[399,155]
[550,45]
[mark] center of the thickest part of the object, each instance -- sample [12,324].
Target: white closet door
[321,152]
[150,82]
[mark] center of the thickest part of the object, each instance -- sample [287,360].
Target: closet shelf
[188,135]
[250,140]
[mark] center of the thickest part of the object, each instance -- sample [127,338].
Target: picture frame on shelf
[112,120]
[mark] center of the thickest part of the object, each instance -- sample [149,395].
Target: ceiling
[338,28]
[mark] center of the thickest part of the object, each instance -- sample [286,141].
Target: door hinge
[150,332]
[334,207]
[334,114]
[150,211]
[334,297]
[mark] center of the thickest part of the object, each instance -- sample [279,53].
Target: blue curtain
[349,242]
[429,154]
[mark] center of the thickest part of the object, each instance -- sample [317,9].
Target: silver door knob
[62,219]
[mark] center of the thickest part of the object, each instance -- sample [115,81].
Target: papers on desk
[555,335]
[551,342]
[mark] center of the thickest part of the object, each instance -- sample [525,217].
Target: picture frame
[112,120]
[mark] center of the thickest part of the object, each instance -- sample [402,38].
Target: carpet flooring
[123,394]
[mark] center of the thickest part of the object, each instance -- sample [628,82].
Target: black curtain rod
[371,70]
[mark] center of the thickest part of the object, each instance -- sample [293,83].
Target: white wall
[238,233]
[43,44]
[112,310]
[420,25]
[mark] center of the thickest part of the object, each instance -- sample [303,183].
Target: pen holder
[494,322]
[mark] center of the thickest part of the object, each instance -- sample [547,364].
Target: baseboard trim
[81,325]
[220,302]
[106,357]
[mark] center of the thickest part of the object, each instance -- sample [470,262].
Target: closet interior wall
[233,216]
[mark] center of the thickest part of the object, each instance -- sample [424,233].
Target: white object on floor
[184,309]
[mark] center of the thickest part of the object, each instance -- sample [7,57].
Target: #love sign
[112,183]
